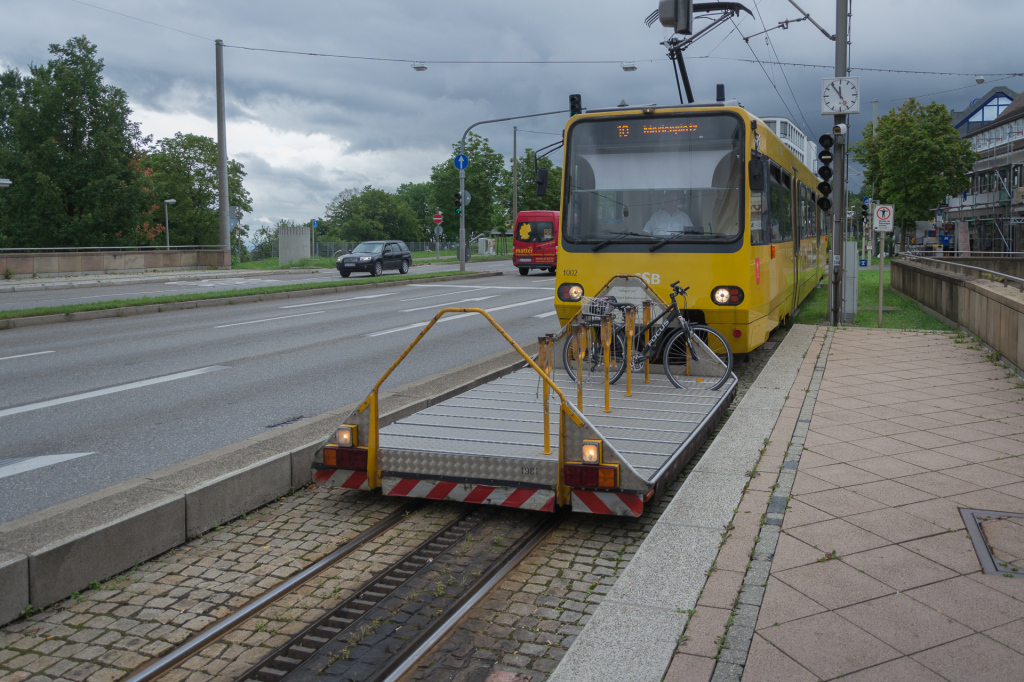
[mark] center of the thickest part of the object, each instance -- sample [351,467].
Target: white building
[794,138]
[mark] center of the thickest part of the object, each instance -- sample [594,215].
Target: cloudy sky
[307,127]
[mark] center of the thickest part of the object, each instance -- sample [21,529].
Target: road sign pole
[462,223]
[881,257]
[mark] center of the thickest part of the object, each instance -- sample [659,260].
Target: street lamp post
[167,225]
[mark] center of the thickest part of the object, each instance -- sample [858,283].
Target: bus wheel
[524,271]
[551,270]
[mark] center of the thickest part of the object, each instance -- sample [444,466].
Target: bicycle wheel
[701,359]
[593,355]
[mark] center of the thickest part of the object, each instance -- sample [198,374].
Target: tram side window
[760,217]
[781,205]
[806,215]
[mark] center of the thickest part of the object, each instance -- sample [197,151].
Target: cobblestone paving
[529,622]
[108,630]
[525,626]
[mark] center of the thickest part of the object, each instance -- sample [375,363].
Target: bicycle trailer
[534,438]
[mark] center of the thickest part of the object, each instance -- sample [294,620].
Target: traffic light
[825,172]
[865,211]
[458,202]
[575,105]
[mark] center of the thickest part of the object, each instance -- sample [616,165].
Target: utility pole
[515,179]
[222,154]
[839,162]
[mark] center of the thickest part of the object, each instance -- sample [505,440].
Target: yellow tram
[704,194]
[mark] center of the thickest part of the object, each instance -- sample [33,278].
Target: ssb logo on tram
[649,277]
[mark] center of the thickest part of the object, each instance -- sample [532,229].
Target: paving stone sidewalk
[848,556]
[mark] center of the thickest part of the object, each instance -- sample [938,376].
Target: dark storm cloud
[308,127]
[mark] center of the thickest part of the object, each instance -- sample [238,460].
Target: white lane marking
[449,318]
[553,312]
[451,303]
[336,300]
[478,286]
[22,465]
[447,293]
[107,391]
[269,319]
[26,355]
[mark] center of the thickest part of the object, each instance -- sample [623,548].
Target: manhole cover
[998,539]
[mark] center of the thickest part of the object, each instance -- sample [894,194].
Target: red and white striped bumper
[516,498]
[612,504]
[340,478]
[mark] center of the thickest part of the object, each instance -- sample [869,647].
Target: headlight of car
[364,258]
[339,259]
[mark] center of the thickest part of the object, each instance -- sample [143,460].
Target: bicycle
[592,352]
[693,356]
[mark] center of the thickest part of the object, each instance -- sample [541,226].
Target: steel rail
[964,265]
[432,635]
[222,627]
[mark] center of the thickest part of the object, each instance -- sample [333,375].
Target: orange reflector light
[591,476]
[773,251]
[353,459]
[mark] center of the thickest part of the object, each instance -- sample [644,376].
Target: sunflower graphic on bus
[535,241]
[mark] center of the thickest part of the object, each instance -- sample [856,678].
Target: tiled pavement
[874,576]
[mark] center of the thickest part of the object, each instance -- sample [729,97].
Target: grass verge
[908,314]
[232,293]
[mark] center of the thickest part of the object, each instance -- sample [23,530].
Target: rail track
[385,627]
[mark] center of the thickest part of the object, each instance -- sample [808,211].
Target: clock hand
[840,92]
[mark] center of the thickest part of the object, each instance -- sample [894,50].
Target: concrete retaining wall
[95,262]
[992,311]
[48,555]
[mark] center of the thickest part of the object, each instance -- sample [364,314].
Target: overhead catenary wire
[145,21]
[771,46]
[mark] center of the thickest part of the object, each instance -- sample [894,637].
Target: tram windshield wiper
[673,237]
[615,237]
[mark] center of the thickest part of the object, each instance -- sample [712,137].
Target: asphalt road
[144,392]
[35,298]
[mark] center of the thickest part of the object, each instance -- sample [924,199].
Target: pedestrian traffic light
[458,202]
[575,105]
[865,212]
[825,172]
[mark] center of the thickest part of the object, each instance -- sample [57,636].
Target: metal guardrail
[79,249]
[946,261]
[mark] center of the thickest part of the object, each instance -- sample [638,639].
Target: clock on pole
[840,95]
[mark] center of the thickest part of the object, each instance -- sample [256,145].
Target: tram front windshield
[642,180]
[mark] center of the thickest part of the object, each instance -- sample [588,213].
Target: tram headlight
[591,451]
[571,293]
[727,295]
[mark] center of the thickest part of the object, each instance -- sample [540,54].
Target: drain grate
[998,539]
[286,422]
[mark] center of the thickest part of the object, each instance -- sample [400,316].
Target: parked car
[376,257]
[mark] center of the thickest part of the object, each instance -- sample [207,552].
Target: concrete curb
[36,285]
[48,555]
[17,322]
[635,630]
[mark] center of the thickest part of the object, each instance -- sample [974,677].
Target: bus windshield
[641,180]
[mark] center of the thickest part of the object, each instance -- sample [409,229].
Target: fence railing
[79,249]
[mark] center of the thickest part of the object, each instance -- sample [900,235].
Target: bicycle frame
[648,350]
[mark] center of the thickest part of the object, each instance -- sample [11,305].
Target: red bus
[535,241]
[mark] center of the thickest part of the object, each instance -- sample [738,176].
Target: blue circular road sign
[461,161]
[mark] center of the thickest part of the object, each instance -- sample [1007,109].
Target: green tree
[419,197]
[527,186]
[263,241]
[185,169]
[73,156]
[483,181]
[335,213]
[914,160]
[374,214]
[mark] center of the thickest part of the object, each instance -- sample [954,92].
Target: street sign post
[466,196]
[438,218]
[461,161]
[883,219]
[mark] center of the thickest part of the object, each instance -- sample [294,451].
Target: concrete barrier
[991,310]
[48,555]
[50,264]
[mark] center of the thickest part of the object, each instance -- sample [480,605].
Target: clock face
[840,96]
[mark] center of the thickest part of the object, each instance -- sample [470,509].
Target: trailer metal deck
[487,445]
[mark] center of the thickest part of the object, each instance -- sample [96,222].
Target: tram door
[797,264]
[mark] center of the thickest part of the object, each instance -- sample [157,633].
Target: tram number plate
[528,471]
